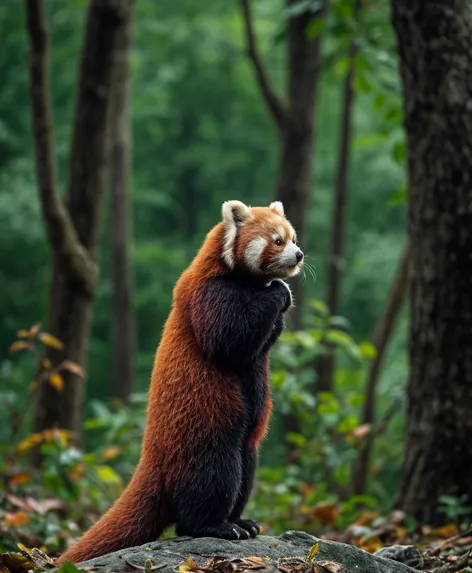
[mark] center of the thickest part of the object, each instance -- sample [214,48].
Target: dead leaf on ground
[331,566]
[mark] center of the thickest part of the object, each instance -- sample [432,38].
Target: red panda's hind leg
[208,490]
[249,465]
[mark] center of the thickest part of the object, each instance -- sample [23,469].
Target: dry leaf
[331,566]
[46,364]
[110,453]
[326,513]
[19,478]
[73,367]
[257,560]
[188,565]
[50,340]
[57,381]
[33,331]
[21,345]
[29,442]
[361,431]
[372,545]
[23,333]
[16,519]
[445,531]
[367,517]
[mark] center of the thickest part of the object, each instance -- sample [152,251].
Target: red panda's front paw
[288,292]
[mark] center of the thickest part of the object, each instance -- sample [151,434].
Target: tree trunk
[325,363]
[73,227]
[294,177]
[381,337]
[122,312]
[435,47]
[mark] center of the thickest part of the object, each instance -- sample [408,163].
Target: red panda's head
[260,240]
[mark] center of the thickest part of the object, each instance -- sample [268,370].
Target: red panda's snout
[260,240]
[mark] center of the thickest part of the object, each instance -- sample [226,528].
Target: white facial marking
[281,232]
[288,257]
[234,214]
[253,252]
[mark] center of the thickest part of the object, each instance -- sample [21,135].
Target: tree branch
[61,232]
[272,100]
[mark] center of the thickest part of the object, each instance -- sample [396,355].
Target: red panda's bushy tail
[138,516]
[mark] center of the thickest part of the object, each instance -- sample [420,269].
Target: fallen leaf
[372,544]
[331,566]
[445,531]
[50,340]
[367,517]
[46,364]
[15,563]
[188,565]
[19,478]
[257,560]
[326,513]
[16,519]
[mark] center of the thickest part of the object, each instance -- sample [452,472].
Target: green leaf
[315,28]
[399,196]
[107,474]
[295,438]
[367,350]
[320,307]
[399,152]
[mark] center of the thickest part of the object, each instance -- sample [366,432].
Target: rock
[167,554]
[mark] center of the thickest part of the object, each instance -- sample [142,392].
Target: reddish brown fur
[140,514]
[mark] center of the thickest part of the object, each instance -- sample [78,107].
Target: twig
[272,99]
[447,542]
[454,566]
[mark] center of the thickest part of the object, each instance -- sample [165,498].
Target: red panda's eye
[279,242]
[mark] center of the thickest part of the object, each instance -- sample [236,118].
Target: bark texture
[123,320]
[73,225]
[435,48]
[381,337]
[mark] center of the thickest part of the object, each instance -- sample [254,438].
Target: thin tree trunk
[381,337]
[73,226]
[435,48]
[294,179]
[325,364]
[123,321]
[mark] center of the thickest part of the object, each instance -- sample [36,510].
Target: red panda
[209,400]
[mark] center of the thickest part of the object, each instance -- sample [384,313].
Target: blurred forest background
[200,117]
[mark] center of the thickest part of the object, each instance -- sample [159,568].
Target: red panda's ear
[277,207]
[235,212]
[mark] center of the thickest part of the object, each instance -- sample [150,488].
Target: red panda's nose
[299,256]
